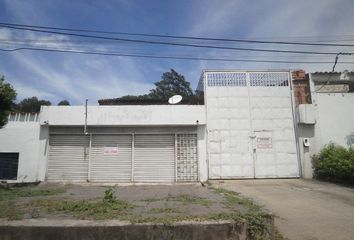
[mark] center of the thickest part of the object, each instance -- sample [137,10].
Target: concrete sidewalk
[304,209]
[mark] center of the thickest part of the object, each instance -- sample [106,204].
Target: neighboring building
[330,117]
[247,128]
[21,145]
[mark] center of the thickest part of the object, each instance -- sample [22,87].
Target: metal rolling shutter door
[111,167]
[68,157]
[154,158]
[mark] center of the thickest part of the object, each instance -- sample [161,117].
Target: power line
[185,55]
[172,43]
[60,44]
[180,37]
[160,56]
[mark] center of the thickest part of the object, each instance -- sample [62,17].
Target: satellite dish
[175,99]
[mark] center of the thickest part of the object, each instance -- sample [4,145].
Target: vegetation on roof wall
[334,164]
[171,83]
[7,98]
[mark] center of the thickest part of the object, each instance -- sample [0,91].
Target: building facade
[250,126]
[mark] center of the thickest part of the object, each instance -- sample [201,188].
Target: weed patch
[13,193]
[189,199]
[232,199]
[184,199]
[165,210]
[85,209]
[256,218]
[10,211]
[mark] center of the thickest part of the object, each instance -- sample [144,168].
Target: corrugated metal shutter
[68,157]
[154,158]
[108,167]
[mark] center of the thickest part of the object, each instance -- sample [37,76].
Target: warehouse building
[245,129]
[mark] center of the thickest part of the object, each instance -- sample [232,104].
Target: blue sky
[58,76]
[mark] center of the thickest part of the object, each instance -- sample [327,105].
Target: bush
[334,164]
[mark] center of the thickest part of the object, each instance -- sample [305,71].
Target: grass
[14,193]
[255,216]
[189,199]
[165,210]
[111,207]
[108,208]
[185,199]
[12,211]
[232,199]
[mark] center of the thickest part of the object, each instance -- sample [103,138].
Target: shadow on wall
[306,130]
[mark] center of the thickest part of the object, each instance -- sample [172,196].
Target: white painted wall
[202,154]
[27,139]
[334,122]
[124,115]
[30,139]
[334,119]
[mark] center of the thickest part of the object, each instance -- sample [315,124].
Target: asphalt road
[304,209]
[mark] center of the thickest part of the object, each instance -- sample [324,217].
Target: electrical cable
[159,57]
[179,37]
[174,43]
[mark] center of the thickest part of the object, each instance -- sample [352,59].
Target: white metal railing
[23,117]
[239,79]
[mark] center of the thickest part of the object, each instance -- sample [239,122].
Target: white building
[245,129]
[330,117]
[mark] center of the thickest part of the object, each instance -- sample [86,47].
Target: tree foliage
[64,103]
[172,83]
[32,104]
[7,96]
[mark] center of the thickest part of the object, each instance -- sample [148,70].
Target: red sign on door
[264,142]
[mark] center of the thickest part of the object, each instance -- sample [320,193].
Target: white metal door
[273,125]
[68,157]
[154,158]
[243,108]
[111,158]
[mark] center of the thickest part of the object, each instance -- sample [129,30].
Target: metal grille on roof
[239,79]
[226,79]
[269,79]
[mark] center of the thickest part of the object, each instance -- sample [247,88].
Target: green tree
[7,96]
[64,103]
[32,104]
[171,83]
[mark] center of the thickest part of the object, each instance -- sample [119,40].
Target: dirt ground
[304,209]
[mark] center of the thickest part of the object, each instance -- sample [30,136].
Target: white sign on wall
[110,150]
[264,142]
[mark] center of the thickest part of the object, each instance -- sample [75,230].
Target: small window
[8,166]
